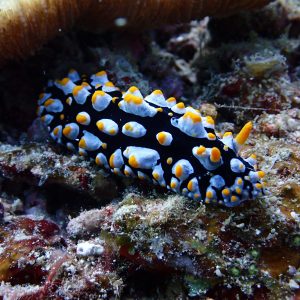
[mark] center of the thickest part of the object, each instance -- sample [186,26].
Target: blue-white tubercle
[151,138]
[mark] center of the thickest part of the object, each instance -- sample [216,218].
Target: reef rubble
[70,231]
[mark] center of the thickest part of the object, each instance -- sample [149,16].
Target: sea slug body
[151,138]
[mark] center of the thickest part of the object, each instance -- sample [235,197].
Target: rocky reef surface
[70,231]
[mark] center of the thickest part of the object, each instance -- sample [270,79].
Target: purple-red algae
[23,241]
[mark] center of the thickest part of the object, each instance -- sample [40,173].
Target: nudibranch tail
[150,138]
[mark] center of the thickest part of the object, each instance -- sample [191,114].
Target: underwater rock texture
[25,25]
[68,231]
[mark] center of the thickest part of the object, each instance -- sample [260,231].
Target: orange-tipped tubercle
[243,135]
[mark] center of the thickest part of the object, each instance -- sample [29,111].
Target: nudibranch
[150,138]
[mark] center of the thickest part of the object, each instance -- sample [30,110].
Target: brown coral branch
[25,25]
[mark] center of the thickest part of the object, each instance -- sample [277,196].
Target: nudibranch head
[150,138]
